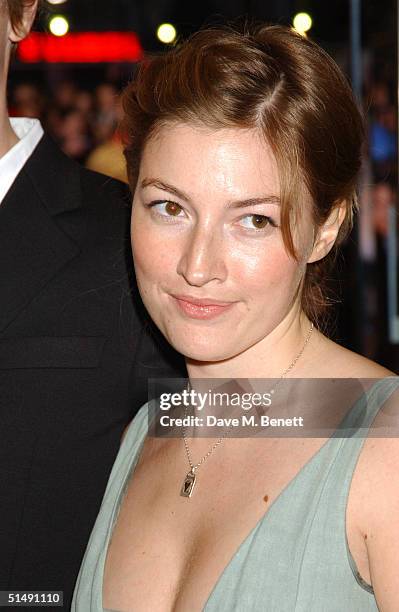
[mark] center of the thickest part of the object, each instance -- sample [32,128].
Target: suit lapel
[33,247]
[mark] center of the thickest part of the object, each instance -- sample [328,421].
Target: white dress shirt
[29,132]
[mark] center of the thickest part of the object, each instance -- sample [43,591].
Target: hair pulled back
[272,79]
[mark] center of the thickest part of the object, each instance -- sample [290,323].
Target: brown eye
[259,221]
[172,209]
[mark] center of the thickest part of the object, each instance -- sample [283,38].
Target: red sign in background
[81,47]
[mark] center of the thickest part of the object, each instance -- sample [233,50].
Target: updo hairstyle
[274,80]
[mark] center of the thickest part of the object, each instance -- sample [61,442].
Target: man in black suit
[74,349]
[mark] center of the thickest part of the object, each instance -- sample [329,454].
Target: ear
[328,232]
[23,29]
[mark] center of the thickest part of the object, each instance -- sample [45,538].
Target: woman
[243,152]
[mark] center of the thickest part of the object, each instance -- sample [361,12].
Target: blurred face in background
[27,100]
[106,97]
[84,102]
[211,264]
[65,95]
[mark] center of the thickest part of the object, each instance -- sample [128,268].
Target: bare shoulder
[374,502]
[334,360]
[377,493]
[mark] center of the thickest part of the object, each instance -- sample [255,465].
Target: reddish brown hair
[272,79]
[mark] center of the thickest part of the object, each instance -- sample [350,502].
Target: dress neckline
[261,521]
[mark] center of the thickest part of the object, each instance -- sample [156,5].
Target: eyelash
[166,218]
[169,218]
[270,222]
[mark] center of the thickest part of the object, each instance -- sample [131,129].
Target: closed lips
[201,302]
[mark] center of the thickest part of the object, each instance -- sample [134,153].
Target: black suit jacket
[74,354]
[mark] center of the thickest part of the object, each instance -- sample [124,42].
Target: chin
[205,355]
[204,349]
[198,342]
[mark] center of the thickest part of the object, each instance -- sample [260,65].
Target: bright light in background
[166,33]
[56,1]
[302,22]
[58,25]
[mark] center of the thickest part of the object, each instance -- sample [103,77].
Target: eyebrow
[165,187]
[152,182]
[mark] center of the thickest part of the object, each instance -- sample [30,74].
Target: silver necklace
[191,477]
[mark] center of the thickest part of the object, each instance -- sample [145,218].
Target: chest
[188,542]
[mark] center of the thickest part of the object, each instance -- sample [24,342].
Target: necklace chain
[189,481]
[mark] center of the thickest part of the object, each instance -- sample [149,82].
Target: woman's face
[210,261]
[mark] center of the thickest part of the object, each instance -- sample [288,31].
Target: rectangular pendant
[188,485]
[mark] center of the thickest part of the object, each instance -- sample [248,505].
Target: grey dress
[296,559]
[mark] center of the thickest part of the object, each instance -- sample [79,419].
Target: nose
[202,259]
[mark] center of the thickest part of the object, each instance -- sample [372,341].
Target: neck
[8,137]
[283,343]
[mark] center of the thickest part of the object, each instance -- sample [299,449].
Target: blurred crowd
[83,122]
[382,115]
[378,200]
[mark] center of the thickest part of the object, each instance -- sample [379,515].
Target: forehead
[228,161]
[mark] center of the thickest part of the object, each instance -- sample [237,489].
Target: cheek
[267,268]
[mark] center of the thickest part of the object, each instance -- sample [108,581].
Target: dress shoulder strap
[360,417]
